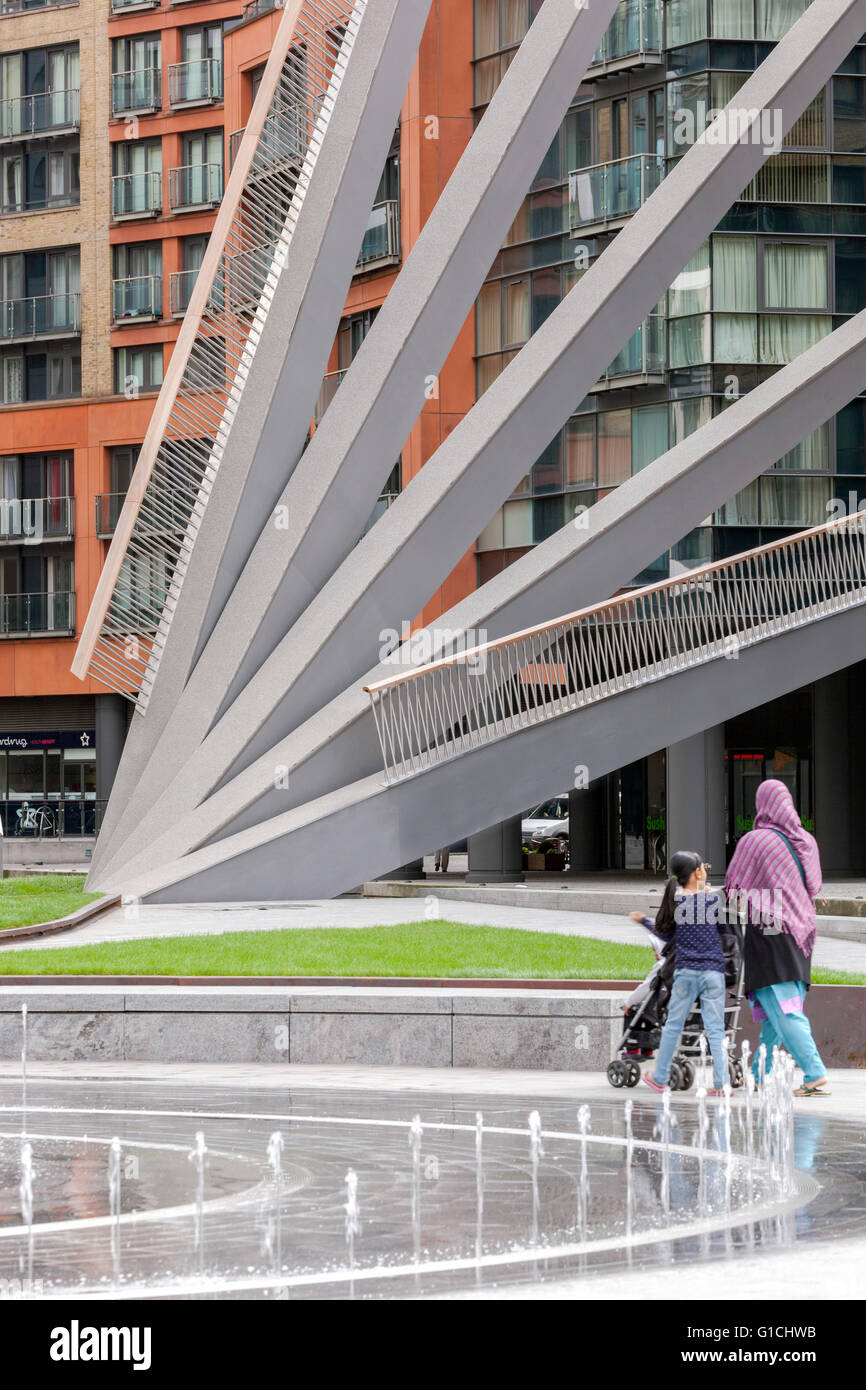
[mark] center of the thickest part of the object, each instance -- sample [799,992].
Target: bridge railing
[429,714]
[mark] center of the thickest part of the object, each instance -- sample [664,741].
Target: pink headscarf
[762,862]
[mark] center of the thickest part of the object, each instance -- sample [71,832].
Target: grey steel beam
[393,570]
[377,826]
[330,494]
[269,429]
[623,532]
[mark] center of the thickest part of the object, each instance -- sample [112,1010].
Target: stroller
[643,1024]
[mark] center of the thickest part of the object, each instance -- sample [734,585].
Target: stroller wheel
[617,1074]
[633,1074]
[677,1081]
[688,1075]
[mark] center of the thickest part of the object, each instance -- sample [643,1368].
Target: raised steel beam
[394,569]
[623,532]
[332,493]
[378,826]
[277,355]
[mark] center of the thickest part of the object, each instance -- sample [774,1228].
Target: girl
[694,918]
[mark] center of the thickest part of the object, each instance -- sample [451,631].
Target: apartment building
[117,133]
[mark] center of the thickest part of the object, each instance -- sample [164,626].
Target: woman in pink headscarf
[776,871]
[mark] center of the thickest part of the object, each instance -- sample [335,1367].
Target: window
[849,114]
[40,293]
[614,447]
[33,177]
[137,280]
[795,276]
[199,180]
[136,83]
[137,186]
[198,77]
[137,369]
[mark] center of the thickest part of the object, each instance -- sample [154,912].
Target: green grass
[41,898]
[417,949]
[421,949]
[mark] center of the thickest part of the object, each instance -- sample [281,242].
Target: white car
[547,824]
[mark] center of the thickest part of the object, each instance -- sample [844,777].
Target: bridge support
[696,798]
[495,855]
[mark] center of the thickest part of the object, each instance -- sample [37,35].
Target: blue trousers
[784,1024]
[689,985]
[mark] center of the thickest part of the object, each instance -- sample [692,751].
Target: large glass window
[795,276]
[785,336]
[649,435]
[614,447]
[735,274]
[849,114]
[690,291]
[690,341]
[775,17]
[686,21]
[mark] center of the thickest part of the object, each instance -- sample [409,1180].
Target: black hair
[683,865]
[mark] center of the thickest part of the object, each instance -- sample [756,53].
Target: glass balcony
[180,283]
[32,519]
[136,297]
[635,36]
[381,244]
[139,90]
[195,83]
[22,615]
[45,113]
[108,507]
[607,194]
[644,354]
[136,195]
[40,316]
[327,392]
[195,186]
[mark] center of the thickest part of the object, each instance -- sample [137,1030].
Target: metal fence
[50,818]
[433,713]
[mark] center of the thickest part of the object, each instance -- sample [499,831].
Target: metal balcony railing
[381,244]
[45,113]
[196,82]
[40,316]
[605,193]
[136,297]
[21,615]
[33,519]
[107,507]
[327,393]
[136,195]
[180,283]
[433,713]
[140,89]
[229,305]
[636,32]
[645,353]
[195,186]
[124,6]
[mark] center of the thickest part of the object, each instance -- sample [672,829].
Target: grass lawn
[438,949]
[41,898]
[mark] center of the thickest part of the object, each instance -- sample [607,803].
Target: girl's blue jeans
[689,985]
[784,1024]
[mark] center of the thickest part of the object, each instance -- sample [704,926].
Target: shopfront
[48,783]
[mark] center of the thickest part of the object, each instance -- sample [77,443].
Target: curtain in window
[514,21]
[649,435]
[689,341]
[813,455]
[10,94]
[486,27]
[742,510]
[10,511]
[580,451]
[792,178]
[614,447]
[13,181]
[688,416]
[686,21]
[517,529]
[785,336]
[733,19]
[775,17]
[735,338]
[735,273]
[795,276]
[488,328]
[13,380]
[794,501]
[690,291]
[517,312]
